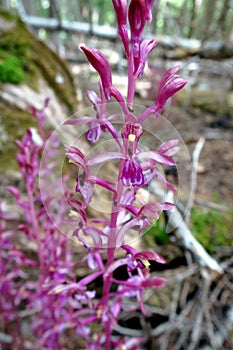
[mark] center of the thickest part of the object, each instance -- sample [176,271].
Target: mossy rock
[29,72]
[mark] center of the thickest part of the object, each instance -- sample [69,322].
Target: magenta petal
[156,282]
[148,255]
[93,97]
[112,267]
[131,134]
[150,210]
[169,148]
[104,157]
[101,182]
[157,156]
[76,156]
[94,131]
[132,173]
[169,85]
[120,7]
[78,121]
[85,188]
[145,48]
[123,34]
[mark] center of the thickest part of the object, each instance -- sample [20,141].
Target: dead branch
[195,161]
[183,234]
[211,205]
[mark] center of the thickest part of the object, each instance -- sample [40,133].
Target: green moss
[212,228]
[8,16]
[34,60]
[11,70]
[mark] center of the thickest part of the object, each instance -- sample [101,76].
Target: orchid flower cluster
[136,169]
[26,279]
[56,299]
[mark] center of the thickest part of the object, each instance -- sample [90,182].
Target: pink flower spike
[169,85]
[137,16]
[101,65]
[132,173]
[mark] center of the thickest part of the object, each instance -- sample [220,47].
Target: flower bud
[137,16]
[120,7]
[101,65]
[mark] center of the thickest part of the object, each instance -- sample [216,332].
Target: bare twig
[197,327]
[195,161]
[186,239]
[211,205]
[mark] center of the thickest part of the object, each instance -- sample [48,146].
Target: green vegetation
[210,227]
[23,58]
[11,70]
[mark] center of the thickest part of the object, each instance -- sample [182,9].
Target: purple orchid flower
[143,217]
[134,260]
[145,48]
[84,232]
[150,168]
[132,172]
[169,85]
[86,182]
[98,124]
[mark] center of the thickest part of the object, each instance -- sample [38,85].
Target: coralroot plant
[137,168]
[56,300]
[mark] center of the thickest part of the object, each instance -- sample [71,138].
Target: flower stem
[131,83]
[34,221]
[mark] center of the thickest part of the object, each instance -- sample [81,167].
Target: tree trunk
[193,15]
